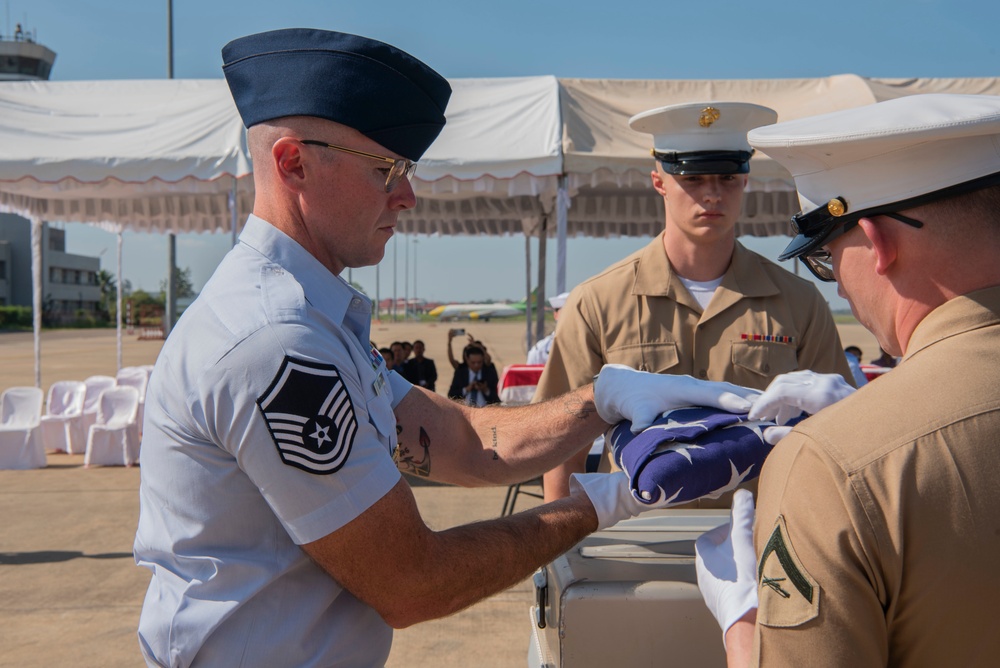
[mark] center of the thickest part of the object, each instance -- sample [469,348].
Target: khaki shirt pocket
[765,358]
[655,357]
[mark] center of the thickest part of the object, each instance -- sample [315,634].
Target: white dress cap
[702,126]
[558,301]
[887,152]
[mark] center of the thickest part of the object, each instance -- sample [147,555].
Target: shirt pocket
[764,358]
[380,413]
[655,357]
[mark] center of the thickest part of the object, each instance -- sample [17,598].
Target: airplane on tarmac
[483,311]
[477,311]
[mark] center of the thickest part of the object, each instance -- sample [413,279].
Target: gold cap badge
[837,206]
[708,116]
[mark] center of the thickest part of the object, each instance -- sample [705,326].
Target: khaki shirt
[638,313]
[878,519]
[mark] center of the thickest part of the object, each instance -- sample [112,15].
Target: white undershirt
[702,291]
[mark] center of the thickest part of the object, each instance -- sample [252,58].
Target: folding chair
[517,387]
[137,377]
[62,424]
[21,445]
[91,402]
[114,439]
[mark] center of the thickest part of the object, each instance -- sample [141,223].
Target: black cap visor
[704,162]
[816,228]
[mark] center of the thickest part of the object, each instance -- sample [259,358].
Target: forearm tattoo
[406,460]
[578,408]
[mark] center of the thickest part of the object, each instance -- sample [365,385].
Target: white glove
[792,393]
[622,393]
[612,497]
[727,566]
[774,434]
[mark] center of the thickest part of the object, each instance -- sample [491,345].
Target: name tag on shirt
[379,384]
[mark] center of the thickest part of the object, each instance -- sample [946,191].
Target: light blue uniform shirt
[268,425]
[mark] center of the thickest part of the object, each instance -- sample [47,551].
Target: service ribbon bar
[767,337]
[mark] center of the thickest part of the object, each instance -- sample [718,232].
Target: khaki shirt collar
[744,278]
[956,316]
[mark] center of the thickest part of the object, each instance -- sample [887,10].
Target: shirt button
[767,368]
[703,374]
[355,301]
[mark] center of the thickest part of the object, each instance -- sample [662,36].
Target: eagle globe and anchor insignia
[310,416]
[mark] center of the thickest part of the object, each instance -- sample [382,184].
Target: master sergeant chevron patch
[310,416]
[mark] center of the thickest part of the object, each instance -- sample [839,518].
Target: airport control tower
[22,58]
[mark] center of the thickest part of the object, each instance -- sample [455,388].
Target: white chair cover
[62,424]
[114,439]
[21,444]
[91,402]
[137,377]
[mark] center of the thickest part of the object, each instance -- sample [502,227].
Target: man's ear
[883,242]
[288,164]
[657,179]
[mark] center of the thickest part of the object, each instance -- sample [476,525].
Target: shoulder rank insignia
[310,416]
[788,595]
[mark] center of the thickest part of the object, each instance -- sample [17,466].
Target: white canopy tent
[607,165]
[496,166]
[163,156]
[171,156]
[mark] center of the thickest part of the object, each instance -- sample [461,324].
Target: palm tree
[109,293]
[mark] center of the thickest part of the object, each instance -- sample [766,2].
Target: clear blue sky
[118,39]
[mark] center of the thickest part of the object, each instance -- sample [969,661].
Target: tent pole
[171,298]
[406,278]
[395,256]
[118,290]
[543,234]
[562,211]
[234,213]
[527,290]
[36,294]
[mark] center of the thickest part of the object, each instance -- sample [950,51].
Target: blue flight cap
[382,92]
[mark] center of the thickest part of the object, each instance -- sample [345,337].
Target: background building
[69,282]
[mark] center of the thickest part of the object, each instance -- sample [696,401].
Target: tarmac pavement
[70,592]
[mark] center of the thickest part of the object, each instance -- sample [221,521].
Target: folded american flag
[690,453]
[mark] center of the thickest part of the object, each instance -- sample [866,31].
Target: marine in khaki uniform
[694,301]
[877,532]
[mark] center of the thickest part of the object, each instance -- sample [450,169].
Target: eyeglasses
[819,262]
[400,166]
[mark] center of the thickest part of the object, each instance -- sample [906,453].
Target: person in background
[885,359]
[387,355]
[398,354]
[420,370]
[853,354]
[452,333]
[694,301]
[274,518]
[539,352]
[407,351]
[475,382]
[877,530]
